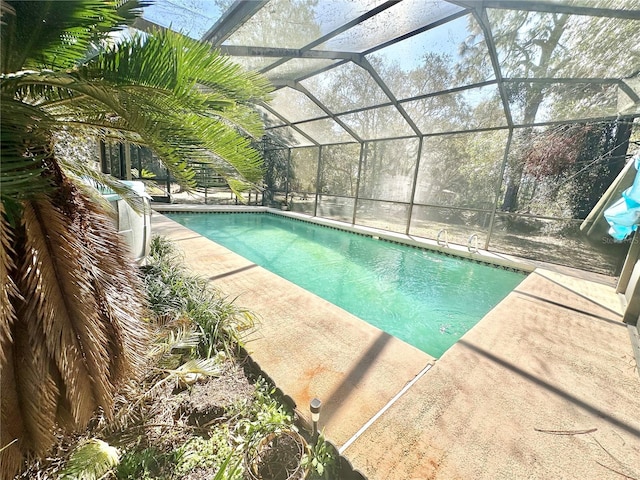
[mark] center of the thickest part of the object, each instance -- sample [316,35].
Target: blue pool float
[624,215]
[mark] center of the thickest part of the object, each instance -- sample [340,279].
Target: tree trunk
[534,98]
[618,156]
[510,202]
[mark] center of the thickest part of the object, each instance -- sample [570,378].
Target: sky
[191,17]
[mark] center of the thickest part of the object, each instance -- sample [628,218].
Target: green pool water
[427,299]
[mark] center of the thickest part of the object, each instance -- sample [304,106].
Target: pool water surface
[424,298]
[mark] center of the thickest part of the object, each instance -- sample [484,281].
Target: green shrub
[186,301]
[146,464]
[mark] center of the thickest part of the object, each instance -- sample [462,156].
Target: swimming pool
[425,298]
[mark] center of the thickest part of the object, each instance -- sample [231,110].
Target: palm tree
[70,304]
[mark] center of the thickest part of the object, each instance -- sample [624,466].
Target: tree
[570,166]
[70,306]
[339,170]
[544,46]
[276,172]
[528,59]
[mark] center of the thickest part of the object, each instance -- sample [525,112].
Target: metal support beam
[289,124]
[364,63]
[288,53]
[414,186]
[498,189]
[355,198]
[318,181]
[329,113]
[352,23]
[231,20]
[483,21]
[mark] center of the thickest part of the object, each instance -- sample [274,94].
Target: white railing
[446,238]
[472,243]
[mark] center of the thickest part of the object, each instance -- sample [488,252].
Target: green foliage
[142,174]
[265,414]
[59,74]
[153,446]
[161,249]
[146,464]
[91,460]
[57,34]
[187,301]
[221,448]
[195,322]
[322,461]
[214,451]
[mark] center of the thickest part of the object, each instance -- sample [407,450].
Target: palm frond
[175,340]
[116,289]
[70,328]
[204,366]
[57,34]
[192,370]
[153,116]
[189,69]
[91,460]
[95,184]
[59,302]
[7,285]
[234,152]
[13,437]
[243,117]
[209,118]
[20,163]
[34,386]
[77,334]
[147,86]
[28,398]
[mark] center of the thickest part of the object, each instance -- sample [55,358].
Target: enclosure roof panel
[432,61]
[296,23]
[190,17]
[425,67]
[346,87]
[468,109]
[251,62]
[548,45]
[565,100]
[378,123]
[400,19]
[295,106]
[269,119]
[289,137]
[326,131]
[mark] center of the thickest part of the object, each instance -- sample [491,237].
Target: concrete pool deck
[542,387]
